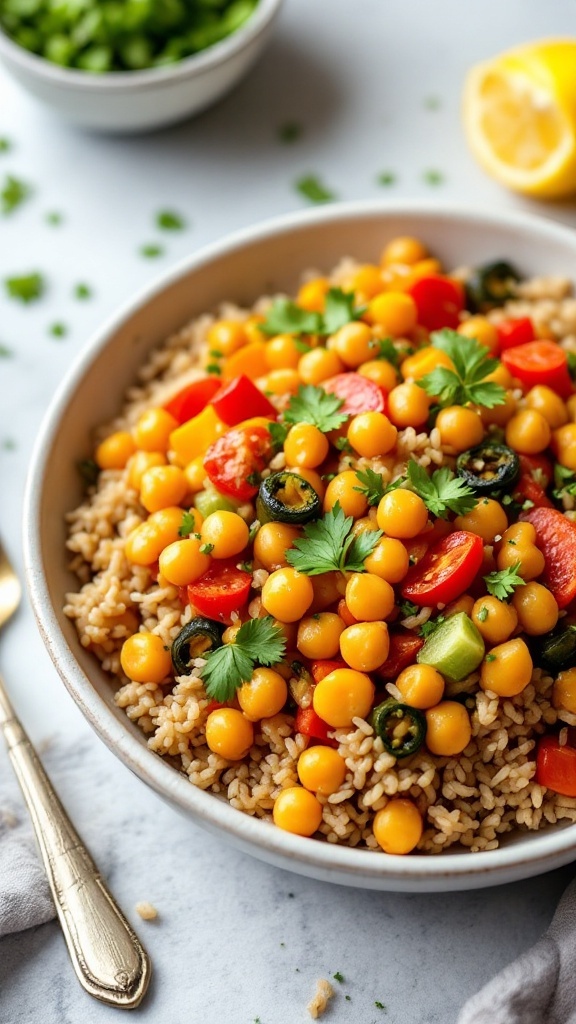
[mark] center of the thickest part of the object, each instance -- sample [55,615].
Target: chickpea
[424,361]
[297,810]
[343,489]
[368,597]
[528,432]
[389,560]
[500,415]
[263,696]
[226,336]
[328,589]
[408,405]
[479,328]
[354,344]
[495,620]
[162,486]
[195,474]
[226,533]
[343,695]
[459,427]
[145,659]
[182,562]
[404,249]
[465,604]
[402,514]
[153,429]
[571,408]
[287,595]
[272,542]
[319,635]
[282,382]
[282,353]
[138,464]
[530,557]
[564,691]
[318,365]
[394,312]
[448,729]
[381,372]
[306,446]
[507,669]
[536,609]
[321,769]
[365,645]
[366,281]
[312,294]
[487,520]
[372,434]
[229,733]
[115,450]
[398,827]
[549,404]
[564,445]
[421,686]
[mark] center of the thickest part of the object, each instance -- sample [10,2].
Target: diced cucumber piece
[210,500]
[455,648]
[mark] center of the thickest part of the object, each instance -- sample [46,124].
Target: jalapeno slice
[196,639]
[401,728]
[287,498]
[491,284]
[557,651]
[489,468]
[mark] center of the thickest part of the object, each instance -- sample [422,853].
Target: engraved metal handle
[109,960]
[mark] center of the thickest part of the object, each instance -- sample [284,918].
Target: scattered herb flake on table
[432,103]
[290,131]
[433,177]
[5,352]
[13,193]
[386,178]
[151,251]
[54,218]
[313,189]
[82,291]
[58,330]
[9,444]
[5,145]
[168,220]
[26,287]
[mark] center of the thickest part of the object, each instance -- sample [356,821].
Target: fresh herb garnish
[503,584]
[313,405]
[490,657]
[427,628]
[286,317]
[206,549]
[54,218]
[328,544]
[188,525]
[565,481]
[257,642]
[89,471]
[25,288]
[214,368]
[5,145]
[379,1005]
[483,614]
[290,131]
[9,444]
[432,103]
[151,251]
[278,432]
[384,348]
[12,194]
[386,178]
[168,220]
[443,492]
[5,352]
[373,485]
[82,291]
[571,357]
[58,329]
[313,189]
[433,177]
[407,609]
[342,444]
[338,976]
[465,383]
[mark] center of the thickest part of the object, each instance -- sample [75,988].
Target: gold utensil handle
[109,960]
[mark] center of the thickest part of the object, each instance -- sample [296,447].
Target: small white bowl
[137,101]
[241,268]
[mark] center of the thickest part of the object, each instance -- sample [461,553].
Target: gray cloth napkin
[25,899]
[540,986]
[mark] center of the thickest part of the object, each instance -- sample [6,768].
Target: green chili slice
[401,728]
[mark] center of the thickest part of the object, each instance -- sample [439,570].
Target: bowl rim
[111,81]
[330,861]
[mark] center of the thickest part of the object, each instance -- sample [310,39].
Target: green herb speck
[12,194]
[490,657]
[432,103]
[53,218]
[433,177]
[58,329]
[26,287]
[5,352]
[82,291]
[290,132]
[386,178]
[9,444]
[379,1005]
[313,189]
[213,368]
[151,251]
[348,999]
[338,976]
[89,471]
[5,145]
[168,220]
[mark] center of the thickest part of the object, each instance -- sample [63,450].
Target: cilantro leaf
[82,291]
[384,348]
[167,220]
[339,310]
[285,317]
[427,628]
[565,481]
[373,485]
[278,432]
[408,608]
[328,545]
[466,382]
[26,288]
[151,251]
[13,193]
[443,492]
[5,145]
[503,584]
[257,642]
[313,189]
[188,525]
[314,405]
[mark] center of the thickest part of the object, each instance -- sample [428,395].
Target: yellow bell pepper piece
[249,360]
[194,437]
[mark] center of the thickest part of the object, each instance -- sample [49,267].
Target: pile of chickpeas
[333,616]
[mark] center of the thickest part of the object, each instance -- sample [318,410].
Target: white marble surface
[237,941]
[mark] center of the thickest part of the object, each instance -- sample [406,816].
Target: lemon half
[520,117]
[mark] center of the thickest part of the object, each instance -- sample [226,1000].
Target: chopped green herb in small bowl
[132,66]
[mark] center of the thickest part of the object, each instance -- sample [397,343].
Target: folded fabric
[25,899]
[540,986]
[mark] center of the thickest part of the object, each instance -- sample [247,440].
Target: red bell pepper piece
[240,399]
[515,332]
[193,399]
[540,362]
[539,467]
[310,724]
[321,669]
[403,650]
[528,489]
[556,766]
[439,301]
[221,590]
[445,571]
[556,538]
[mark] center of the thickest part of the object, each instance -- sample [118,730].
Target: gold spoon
[109,960]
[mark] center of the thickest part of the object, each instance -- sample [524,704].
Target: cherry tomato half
[515,332]
[239,399]
[193,399]
[540,362]
[235,460]
[556,766]
[221,590]
[556,538]
[439,301]
[446,570]
[358,393]
[403,650]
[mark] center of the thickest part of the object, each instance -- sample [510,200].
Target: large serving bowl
[257,261]
[135,101]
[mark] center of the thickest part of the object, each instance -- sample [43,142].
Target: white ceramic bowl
[271,256]
[136,101]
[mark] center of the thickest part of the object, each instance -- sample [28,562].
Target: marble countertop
[376,87]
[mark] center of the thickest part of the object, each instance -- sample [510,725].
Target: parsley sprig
[373,486]
[257,642]
[328,545]
[466,382]
[316,406]
[443,492]
[503,584]
[27,288]
[13,193]
[565,482]
[286,317]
